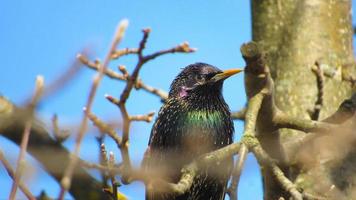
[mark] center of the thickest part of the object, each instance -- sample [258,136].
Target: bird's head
[199,78]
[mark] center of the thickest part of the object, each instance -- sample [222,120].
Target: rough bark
[295,34]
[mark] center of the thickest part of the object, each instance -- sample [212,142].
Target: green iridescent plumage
[213,118]
[194,120]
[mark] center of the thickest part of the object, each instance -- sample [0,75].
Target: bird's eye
[200,78]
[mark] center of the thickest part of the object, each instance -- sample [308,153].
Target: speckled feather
[188,125]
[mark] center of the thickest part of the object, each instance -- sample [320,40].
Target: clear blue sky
[42,37]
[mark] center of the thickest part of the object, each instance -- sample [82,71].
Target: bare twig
[147,118]
[104,128]
[100,167]
[189,171]
[102,159]
[132,81]
[122,106]
[330,72]
[11,173]
[12,123]
[66,180]
[236,173]
[251,114]
[261,97]
[282,120]
[124,71]
[26,134]
[96,66]
[60,135]
[114,183]
[240,115]
[320,84]
[20,161]
[124,77]
[182,48]
[287,185]
[160,93]
[121,52]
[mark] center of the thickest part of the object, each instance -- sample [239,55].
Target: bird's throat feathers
[209,118]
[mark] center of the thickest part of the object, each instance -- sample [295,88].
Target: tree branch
[236,173]
[248,139]
[104,128]
[287,185]
[66,180]
[320,84]
[346,110]
[42,147]
[260,92]
[282,120]
[240,115]
[11,173]
[26,134]
[60,135]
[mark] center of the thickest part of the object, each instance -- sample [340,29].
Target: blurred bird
[194,120]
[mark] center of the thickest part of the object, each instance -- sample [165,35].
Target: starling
[194,120]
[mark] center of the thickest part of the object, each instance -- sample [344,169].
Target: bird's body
[194,120]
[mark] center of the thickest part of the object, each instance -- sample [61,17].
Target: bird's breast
[203,131]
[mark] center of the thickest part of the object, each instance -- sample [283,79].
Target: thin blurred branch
[26,134]
[282,120]
[240,115]
[104,128]
[60,135]
[236,173]
[131,80]
[160,93]
[96,66]
[114,182]
[287,184]
[11,173]
[182,48]
[122,52]
[66,180]
[346,111]
[264,158]
[138,83]
[101,167]
[147,117]
[123,77]
[248,138]
[65,77]
[42,147]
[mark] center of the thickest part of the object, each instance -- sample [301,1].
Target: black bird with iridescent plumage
[194,120]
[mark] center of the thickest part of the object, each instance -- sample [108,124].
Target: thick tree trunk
[296,34]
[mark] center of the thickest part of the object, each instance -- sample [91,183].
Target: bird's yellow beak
[225,74]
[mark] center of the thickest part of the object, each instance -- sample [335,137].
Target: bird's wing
[156,160]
